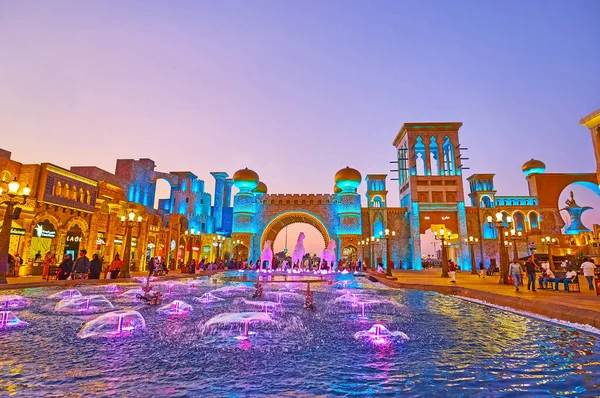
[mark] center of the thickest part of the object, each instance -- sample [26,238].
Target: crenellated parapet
[299,199]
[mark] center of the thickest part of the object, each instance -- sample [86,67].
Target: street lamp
[388,235]
[218,241]
[472,242]
[443,235]
[14,198]
[502,244]
[129,223]
[372,243]
[549,242]
[515,236]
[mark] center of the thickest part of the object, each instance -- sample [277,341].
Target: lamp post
[14,198]
[361,245]
[443,236]
[549,242]
[499,225]
[388,235]
[218,241]
[236,243]
[472,242]
[372,243]
[515,236]
[128,222]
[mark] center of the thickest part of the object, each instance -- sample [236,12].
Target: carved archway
[283,220]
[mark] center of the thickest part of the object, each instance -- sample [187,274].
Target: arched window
[421,165]
[519,221]
[505,219]
[73,193]
[533,220]
[57,189]
[378,226]
[448,149]
[81,195]
[489,232]
[434,157]
[88,197]
[67,191]
[377,202]
[485,202]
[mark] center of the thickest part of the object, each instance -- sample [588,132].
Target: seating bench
[572,287]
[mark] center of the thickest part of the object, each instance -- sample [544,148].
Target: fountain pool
[431,344]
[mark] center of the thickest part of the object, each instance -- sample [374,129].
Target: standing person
[530,267]
[82,266]
[115,267]
[18,261]
[589,269]
[95,267]
[66,267]
[452,271]
[482,270]
[516,271]
[151,267]
[46,268]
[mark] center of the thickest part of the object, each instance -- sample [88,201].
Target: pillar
[218,203]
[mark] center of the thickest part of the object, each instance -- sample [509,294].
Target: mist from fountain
[244,319]
[9,320]
[207,298]
[133,293]
[13,301]
[63,294]
[265,305]
[379,334]
[113,324]
[89,304]
[176,307]
[282,296]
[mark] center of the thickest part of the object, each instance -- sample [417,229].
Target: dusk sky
[298,90]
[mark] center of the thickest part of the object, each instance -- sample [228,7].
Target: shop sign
[45,230]
[173,245]
[74,238]
[100,241]
[16,231]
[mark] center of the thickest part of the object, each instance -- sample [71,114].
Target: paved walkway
[581,307]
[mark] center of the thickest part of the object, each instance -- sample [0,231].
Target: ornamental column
[246,181]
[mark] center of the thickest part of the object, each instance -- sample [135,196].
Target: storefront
[101,245]
[44,236]
[16,234]
[73,241]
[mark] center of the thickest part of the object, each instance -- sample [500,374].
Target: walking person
[452,271]
[18,262]
[589,269]
[95,267]
[530,267]
[482,270]
[516,271]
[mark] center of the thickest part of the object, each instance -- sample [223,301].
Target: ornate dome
[261,188]
[245,179]
[533,167]
[348,179]
[336,189]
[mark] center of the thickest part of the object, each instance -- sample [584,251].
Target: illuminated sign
[445,218]
[74,238]
[45,230]
[16,231]
[173,245]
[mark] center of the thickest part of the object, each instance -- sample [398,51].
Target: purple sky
[297,90]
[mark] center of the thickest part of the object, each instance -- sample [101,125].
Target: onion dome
[261,188]
[348,179]
[245,179]
[336,189]
[533,167]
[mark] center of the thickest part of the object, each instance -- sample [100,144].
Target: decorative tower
[246,181]
[348,209]
[219,198]
[481,190]
[430,182]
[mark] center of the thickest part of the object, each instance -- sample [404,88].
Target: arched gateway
[259,216]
